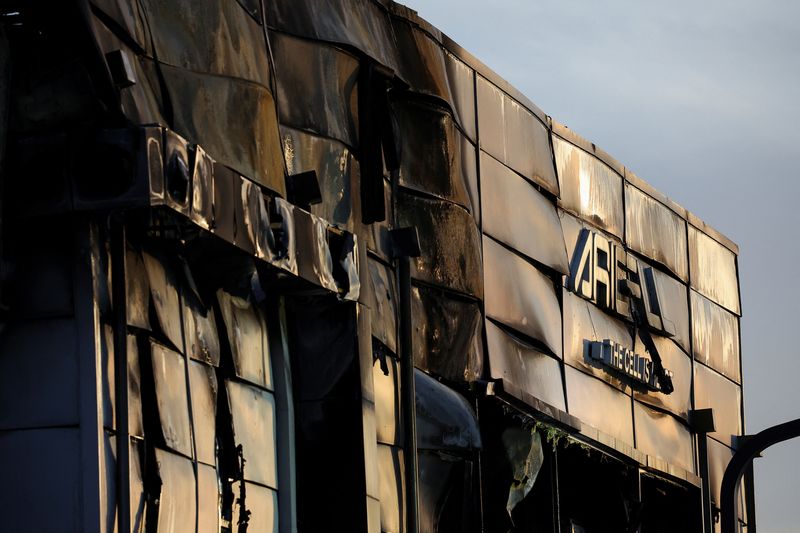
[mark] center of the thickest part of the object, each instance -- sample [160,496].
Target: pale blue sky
[702,100]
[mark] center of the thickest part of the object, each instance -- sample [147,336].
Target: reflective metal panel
[654,230]
[589,187]
[523,368]
[719,456]
[253,413]
[208,511]
[247,337]
[324,79]
[680,364]
[660,435]
[200,330]
[599,405]
[422,60]
[176,503]
[203,386]
[164,291]
[447,334]
[724,396]
[583,324]
[515,213]
[514,136]
[673,305]
[387,403]
[715,335]
[137,291]
[451,249]
[392,488]
[431,146]
[520,296]
[460,79]
[713,268]
[261,509]
[445,420]
[169,376]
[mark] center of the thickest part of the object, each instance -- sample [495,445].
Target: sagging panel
[589,187]
[713,270]
[422,60]
[663,436]
[599,405]
[523,369]
[253,413]
[435,158]
[724,396]
[176,501]
[199,329]
[673,305]
[164,291]
[169,378]
[521,297]
[447,334]
[203,386]
[317,87]
[674,359]
[445,420]
[449,240]
[655,231]
[515,213]
[460,79]
[715,336]
[515,136]
[583,324]
[247,337]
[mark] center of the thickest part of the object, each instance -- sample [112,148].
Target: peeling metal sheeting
[388,424]
[447,334]
[248,339]
[589,187]
[674,359]
[311,235]
[532,226]
[600,405]
[435,158]
[524,452]
[391,483]
[514,136]
[253,413]
[724,396]
[325,79]
[449,240]
[713,268]
[177,505]
[663,436]
[523,369]
[172,399]
[673,304]
[715,337]
[655,231]
[583,324]
[334,165]
[520,296]
[203,387]
[383,306]
[199,329]
[39,369]
[445,420]
[361,24]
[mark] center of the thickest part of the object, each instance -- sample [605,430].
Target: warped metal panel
[247,338]
[719,456]
[169,377]
[369,447]
[387,403]
[515,213]
[137,290]
[203,386]
[322,77]
[584,323]
[673,305]
[164,290]
[589,187]
[431,148]
[680,364]
[391,481]
[654,230]
[713,270]
[515,136]
[715,337]
[447,334]
[661,435]
[361,24]
[208,508]
[383,308]
[44,469]
[520,296]
[334,165]
[176,503]
[199,329]
[128,17]
[599,405]
[461,80]
[524,369]
[724,396]
[253,413]
[260,510]
[449,240]
[421,60]
[135,420]
[445,420]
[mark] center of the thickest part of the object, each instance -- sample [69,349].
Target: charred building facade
[289,265]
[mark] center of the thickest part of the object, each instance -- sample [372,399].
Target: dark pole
[406,244]
[742,459]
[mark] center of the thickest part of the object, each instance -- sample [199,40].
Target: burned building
[289,265]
